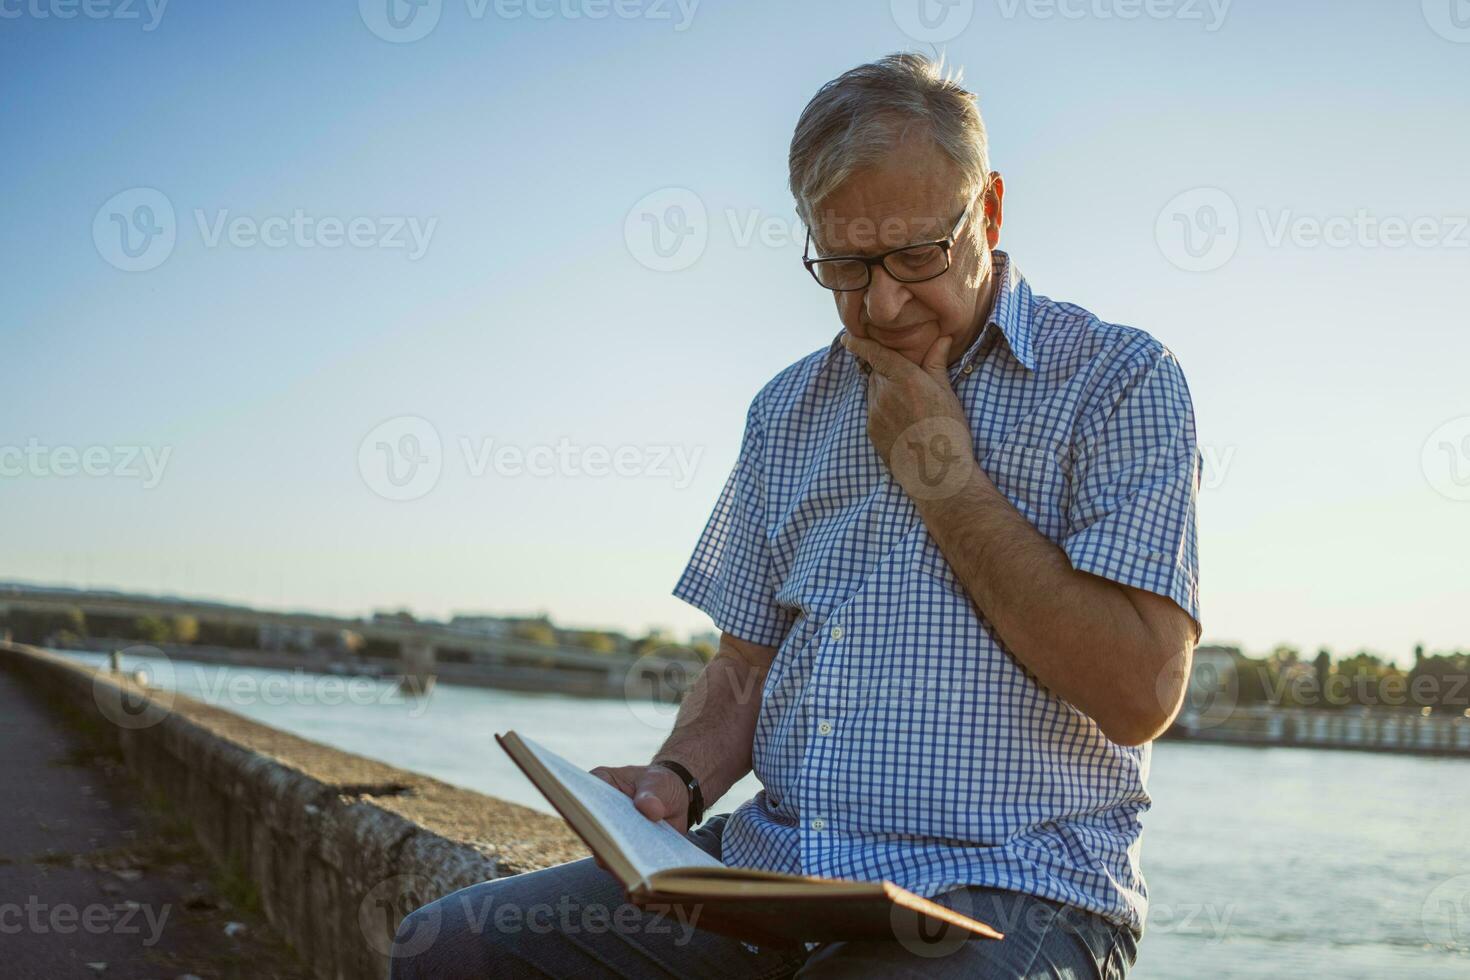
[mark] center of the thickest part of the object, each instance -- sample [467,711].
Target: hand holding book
[656,863]
[655,791]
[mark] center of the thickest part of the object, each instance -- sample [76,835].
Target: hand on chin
[912,343]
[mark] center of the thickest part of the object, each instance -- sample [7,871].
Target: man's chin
[911,344]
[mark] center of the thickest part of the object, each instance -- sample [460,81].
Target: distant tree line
[71,627]
[1438,682]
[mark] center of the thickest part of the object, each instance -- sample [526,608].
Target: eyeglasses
[908,263]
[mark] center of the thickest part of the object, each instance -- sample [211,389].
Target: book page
[650,847]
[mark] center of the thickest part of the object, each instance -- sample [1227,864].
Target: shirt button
[825,728]
[969,368]
[838,632]
[819,824]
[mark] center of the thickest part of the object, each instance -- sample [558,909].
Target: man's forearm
[1081,636]
[715,729]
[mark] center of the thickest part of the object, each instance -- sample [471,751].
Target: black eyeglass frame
[945,244]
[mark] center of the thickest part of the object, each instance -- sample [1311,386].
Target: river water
[1260,862]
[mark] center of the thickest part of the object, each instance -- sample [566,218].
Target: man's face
[913,197]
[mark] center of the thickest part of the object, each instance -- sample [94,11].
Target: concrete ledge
[338,846]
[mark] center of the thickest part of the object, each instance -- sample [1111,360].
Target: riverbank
[653,680]
[1390,731]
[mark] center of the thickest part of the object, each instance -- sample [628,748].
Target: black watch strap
[696,798]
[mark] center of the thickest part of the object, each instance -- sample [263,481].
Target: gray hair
[854,120]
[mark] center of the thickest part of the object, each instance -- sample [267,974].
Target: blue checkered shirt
[898,738]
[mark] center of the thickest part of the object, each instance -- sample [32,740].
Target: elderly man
[955,573]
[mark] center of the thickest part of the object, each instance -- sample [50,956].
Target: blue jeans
[574,920]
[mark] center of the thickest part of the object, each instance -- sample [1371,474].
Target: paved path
[91,884]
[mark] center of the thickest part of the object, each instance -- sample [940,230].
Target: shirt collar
[1010,314]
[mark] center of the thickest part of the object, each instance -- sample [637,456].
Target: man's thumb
[936,361]
[650,804]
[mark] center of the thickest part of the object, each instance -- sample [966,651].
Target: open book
[657,864]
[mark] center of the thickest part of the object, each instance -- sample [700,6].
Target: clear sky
[345,241]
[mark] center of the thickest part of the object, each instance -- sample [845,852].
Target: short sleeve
[1135,484]
[730,575]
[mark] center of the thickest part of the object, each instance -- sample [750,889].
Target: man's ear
[993,200]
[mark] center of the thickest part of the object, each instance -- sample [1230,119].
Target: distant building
[279,637]
[488,625]
[402,616]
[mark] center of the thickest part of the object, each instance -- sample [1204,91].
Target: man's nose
[885,297]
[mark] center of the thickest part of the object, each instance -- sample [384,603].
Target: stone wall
[338,847]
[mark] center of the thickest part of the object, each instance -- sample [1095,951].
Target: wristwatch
[696,798]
